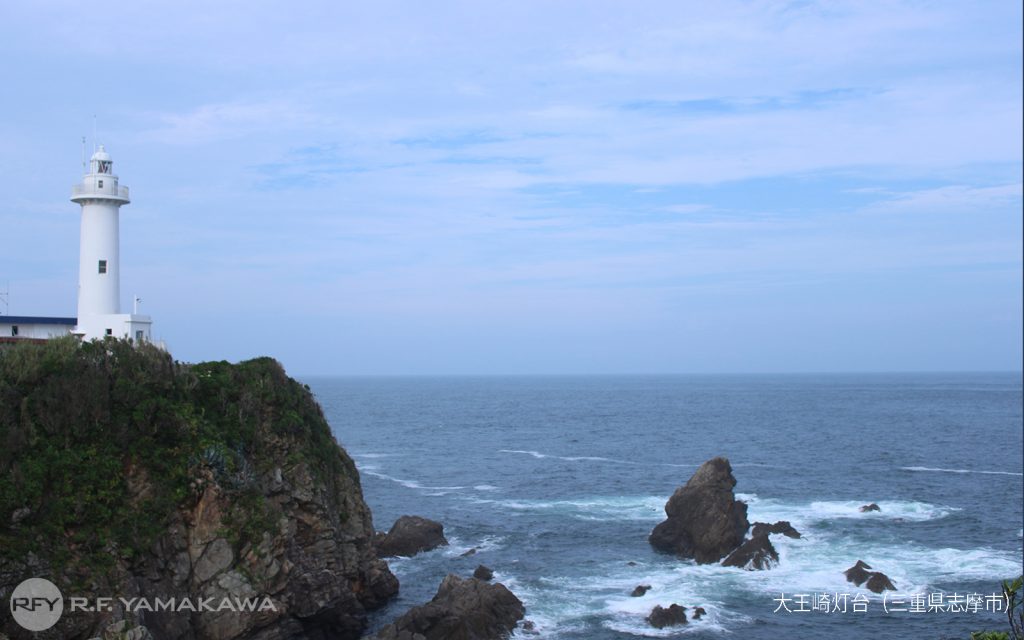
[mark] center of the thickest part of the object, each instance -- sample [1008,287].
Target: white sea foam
[560,605]
[982,472]
[599,508]
[457,546]
[486,487]
[412,484]
[541,456]
[813,564]
[771,510]
[807,566]
[627,614]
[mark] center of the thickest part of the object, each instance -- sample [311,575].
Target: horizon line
[1018,372]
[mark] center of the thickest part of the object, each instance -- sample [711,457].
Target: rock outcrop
[782,526]
[859,573]
[195,482]
[879,582]
[753,555]
[462,609]
[705,520]
[640,590]
[870,507]
[876,581]
[483,573]
[671,616]
[410,535]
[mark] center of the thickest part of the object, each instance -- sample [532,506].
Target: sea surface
[556,481]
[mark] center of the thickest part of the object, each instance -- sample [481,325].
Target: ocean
[557,481]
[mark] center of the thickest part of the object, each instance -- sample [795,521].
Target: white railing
[90,190]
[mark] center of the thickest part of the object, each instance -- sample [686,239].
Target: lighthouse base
[118,325]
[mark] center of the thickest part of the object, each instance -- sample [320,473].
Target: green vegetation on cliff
[101,442]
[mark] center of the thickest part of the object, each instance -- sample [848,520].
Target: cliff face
[126,475]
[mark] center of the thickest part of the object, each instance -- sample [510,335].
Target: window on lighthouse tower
[104,166]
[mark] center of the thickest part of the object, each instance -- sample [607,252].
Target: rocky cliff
[127,475]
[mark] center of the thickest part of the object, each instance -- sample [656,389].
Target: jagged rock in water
[483,573]
[876,581]
[879,582]
[870,507]
[782,526]
[699,613]
[410,535]
[640,590]
[859,573]
[754,554]
[218,481]
[467,609]
[705,521]
[672,616]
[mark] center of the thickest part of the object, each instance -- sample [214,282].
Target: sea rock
[705,520]
[672,616]
[640,590]
[870,507]
[782,526]
[466,554]
[876,581]
[754,554]
[410,535]
[859,573]
[699,613]
[483,573]
[461,610]
[879,582]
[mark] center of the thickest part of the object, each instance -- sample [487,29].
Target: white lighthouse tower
[99,261]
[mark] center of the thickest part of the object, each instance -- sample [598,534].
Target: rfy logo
[36,604]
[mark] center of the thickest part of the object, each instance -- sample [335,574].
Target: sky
[532,187]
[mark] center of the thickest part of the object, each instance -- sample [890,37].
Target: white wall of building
[118,325]
[39,331]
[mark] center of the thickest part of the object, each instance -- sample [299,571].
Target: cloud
[959,199]
[221,121]
[621,165]
[686,208]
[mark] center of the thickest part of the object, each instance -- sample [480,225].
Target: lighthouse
[99,257]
